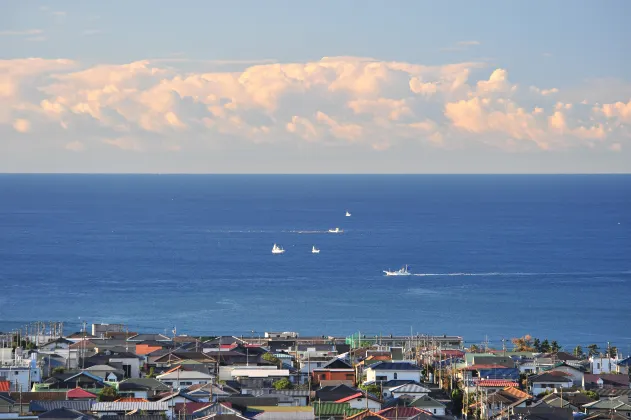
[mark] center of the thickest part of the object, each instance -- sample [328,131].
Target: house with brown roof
[504,401]
[404,413]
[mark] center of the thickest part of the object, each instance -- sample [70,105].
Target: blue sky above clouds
[331,87]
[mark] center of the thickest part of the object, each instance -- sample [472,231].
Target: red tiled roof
[5,386]
[496,383]
[79,393]
[350,397]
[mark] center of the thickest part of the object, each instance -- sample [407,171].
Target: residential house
[473,375]
[608,406]
[611,380]
[410,389]
[178,397]
[38,407]
[336,369]
[179,378]
[121,408]
[504,401]
[549,381]
[572,371]
[23,399]
[65,414]
[428,404]
[386,371]
[257,377]
[298,397]
[57,344]
[107,373]
[66,381]
[573,400]
[361,400]
[142,387]
[602,364]
[20,373]
[129,362]
[334,393]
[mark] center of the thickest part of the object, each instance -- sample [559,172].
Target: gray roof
[64,413]
[410,389]
[394,366]
[130,406]
[142,384]
[426,401]
[43,406]
[608,404]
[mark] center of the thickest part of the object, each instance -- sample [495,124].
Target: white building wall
[361,404]
[134,365]
[413,375]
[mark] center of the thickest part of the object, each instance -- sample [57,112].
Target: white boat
[336,230]
[402,272]
[277,249]
[315,250]
[348,214]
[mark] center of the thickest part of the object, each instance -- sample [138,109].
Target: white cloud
[149,105]
[26,32]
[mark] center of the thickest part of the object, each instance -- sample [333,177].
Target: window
[434,411]
[395,375]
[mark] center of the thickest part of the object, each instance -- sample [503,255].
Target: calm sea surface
[500,256]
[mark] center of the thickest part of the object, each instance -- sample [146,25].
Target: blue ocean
[495,256]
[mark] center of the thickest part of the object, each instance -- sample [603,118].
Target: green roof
[330,408]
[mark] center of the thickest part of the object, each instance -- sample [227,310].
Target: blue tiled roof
[503,373]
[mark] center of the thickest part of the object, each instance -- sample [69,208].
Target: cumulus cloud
[150,105]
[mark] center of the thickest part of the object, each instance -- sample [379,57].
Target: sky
[315,87]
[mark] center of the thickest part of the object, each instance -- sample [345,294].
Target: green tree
[282,384]
[593,349]
[59,370]
[456,398]
[536,343]
[474,349]
[373,389]
[108,394]
[555,347]
[269,357]
[591,394]
[152,373]
[612,351]
[545,346]
[578,352]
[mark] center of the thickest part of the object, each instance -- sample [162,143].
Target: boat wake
[501,274]
[307,232]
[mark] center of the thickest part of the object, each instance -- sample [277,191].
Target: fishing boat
[315,250]
[348,213]
[402,272]
[336,230]
[277,249]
